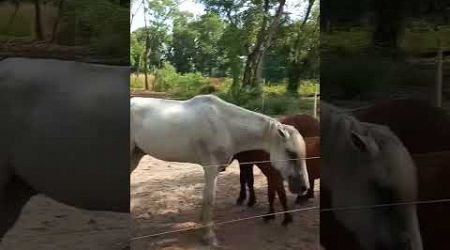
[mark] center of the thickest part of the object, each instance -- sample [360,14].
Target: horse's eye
[291,154]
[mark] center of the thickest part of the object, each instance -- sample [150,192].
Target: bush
[355,75]
[208,89]
[308,88]
[284,105]
[273,104]
[363,75]
[166,77]
[275,90]
[181,85]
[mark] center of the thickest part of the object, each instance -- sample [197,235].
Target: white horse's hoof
[211,241]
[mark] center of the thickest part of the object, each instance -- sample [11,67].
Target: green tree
[304,47]
[156,15]
[136,50]
[256,26]
[183,46]
[209,30]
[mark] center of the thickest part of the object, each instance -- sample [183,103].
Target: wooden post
[315,104]
[262,95]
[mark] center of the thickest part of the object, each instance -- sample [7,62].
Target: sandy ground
[46,225]
[167,196]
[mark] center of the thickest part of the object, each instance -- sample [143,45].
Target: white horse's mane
[213,98]
[338,115]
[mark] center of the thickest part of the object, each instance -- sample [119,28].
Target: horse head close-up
[367,175]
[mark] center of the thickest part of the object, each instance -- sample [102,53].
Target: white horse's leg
[209,194]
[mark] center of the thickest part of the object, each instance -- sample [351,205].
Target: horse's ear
[282,132]
[363,143]
[359,142]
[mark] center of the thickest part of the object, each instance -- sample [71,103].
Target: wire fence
[311,158]
[218,224]
[221,223]
[312,208]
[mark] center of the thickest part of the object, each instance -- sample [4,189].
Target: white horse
[364,165]
[208,131]
[64,133]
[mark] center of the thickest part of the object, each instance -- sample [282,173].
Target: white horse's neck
[251,130]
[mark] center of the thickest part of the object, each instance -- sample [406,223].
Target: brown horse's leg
[271,196]
[310,193]
[251,190]
[243,177]
[15,195]
[283,200]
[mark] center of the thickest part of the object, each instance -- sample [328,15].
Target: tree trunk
[252,67]
[236,67]
[252,76]
[308,13]
[388,24]
[147,47]
[58,19]
[146,55]
[437,98]
[13,17]
[294,73]
[294,76]
[38,20]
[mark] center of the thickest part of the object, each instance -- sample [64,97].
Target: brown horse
[425,131]
[310,130]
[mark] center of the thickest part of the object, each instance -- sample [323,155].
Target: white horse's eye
[291,154]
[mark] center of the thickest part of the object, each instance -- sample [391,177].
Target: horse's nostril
[304,188]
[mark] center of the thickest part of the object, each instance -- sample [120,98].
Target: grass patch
[22,25]
[137,82]
[308,88]
[412,41]
[346,41]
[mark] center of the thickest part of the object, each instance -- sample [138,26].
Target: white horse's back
[177,126]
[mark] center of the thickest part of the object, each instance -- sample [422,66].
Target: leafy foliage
[194,50]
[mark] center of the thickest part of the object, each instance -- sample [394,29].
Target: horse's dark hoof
[239,201]
[251,202]
[268,217]
[301,199]
[287,220]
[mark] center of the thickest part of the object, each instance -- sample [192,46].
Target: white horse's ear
[364,144]
[282,132]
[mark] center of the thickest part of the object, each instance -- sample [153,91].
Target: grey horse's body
[64,133]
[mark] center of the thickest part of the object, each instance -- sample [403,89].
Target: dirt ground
[164,196]
[167,196]
[48,225]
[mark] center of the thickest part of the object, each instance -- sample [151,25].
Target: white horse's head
[287,154]
[367,165]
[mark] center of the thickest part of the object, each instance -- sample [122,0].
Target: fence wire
[309,158]
[198,227]
[312,208]
[346,208]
